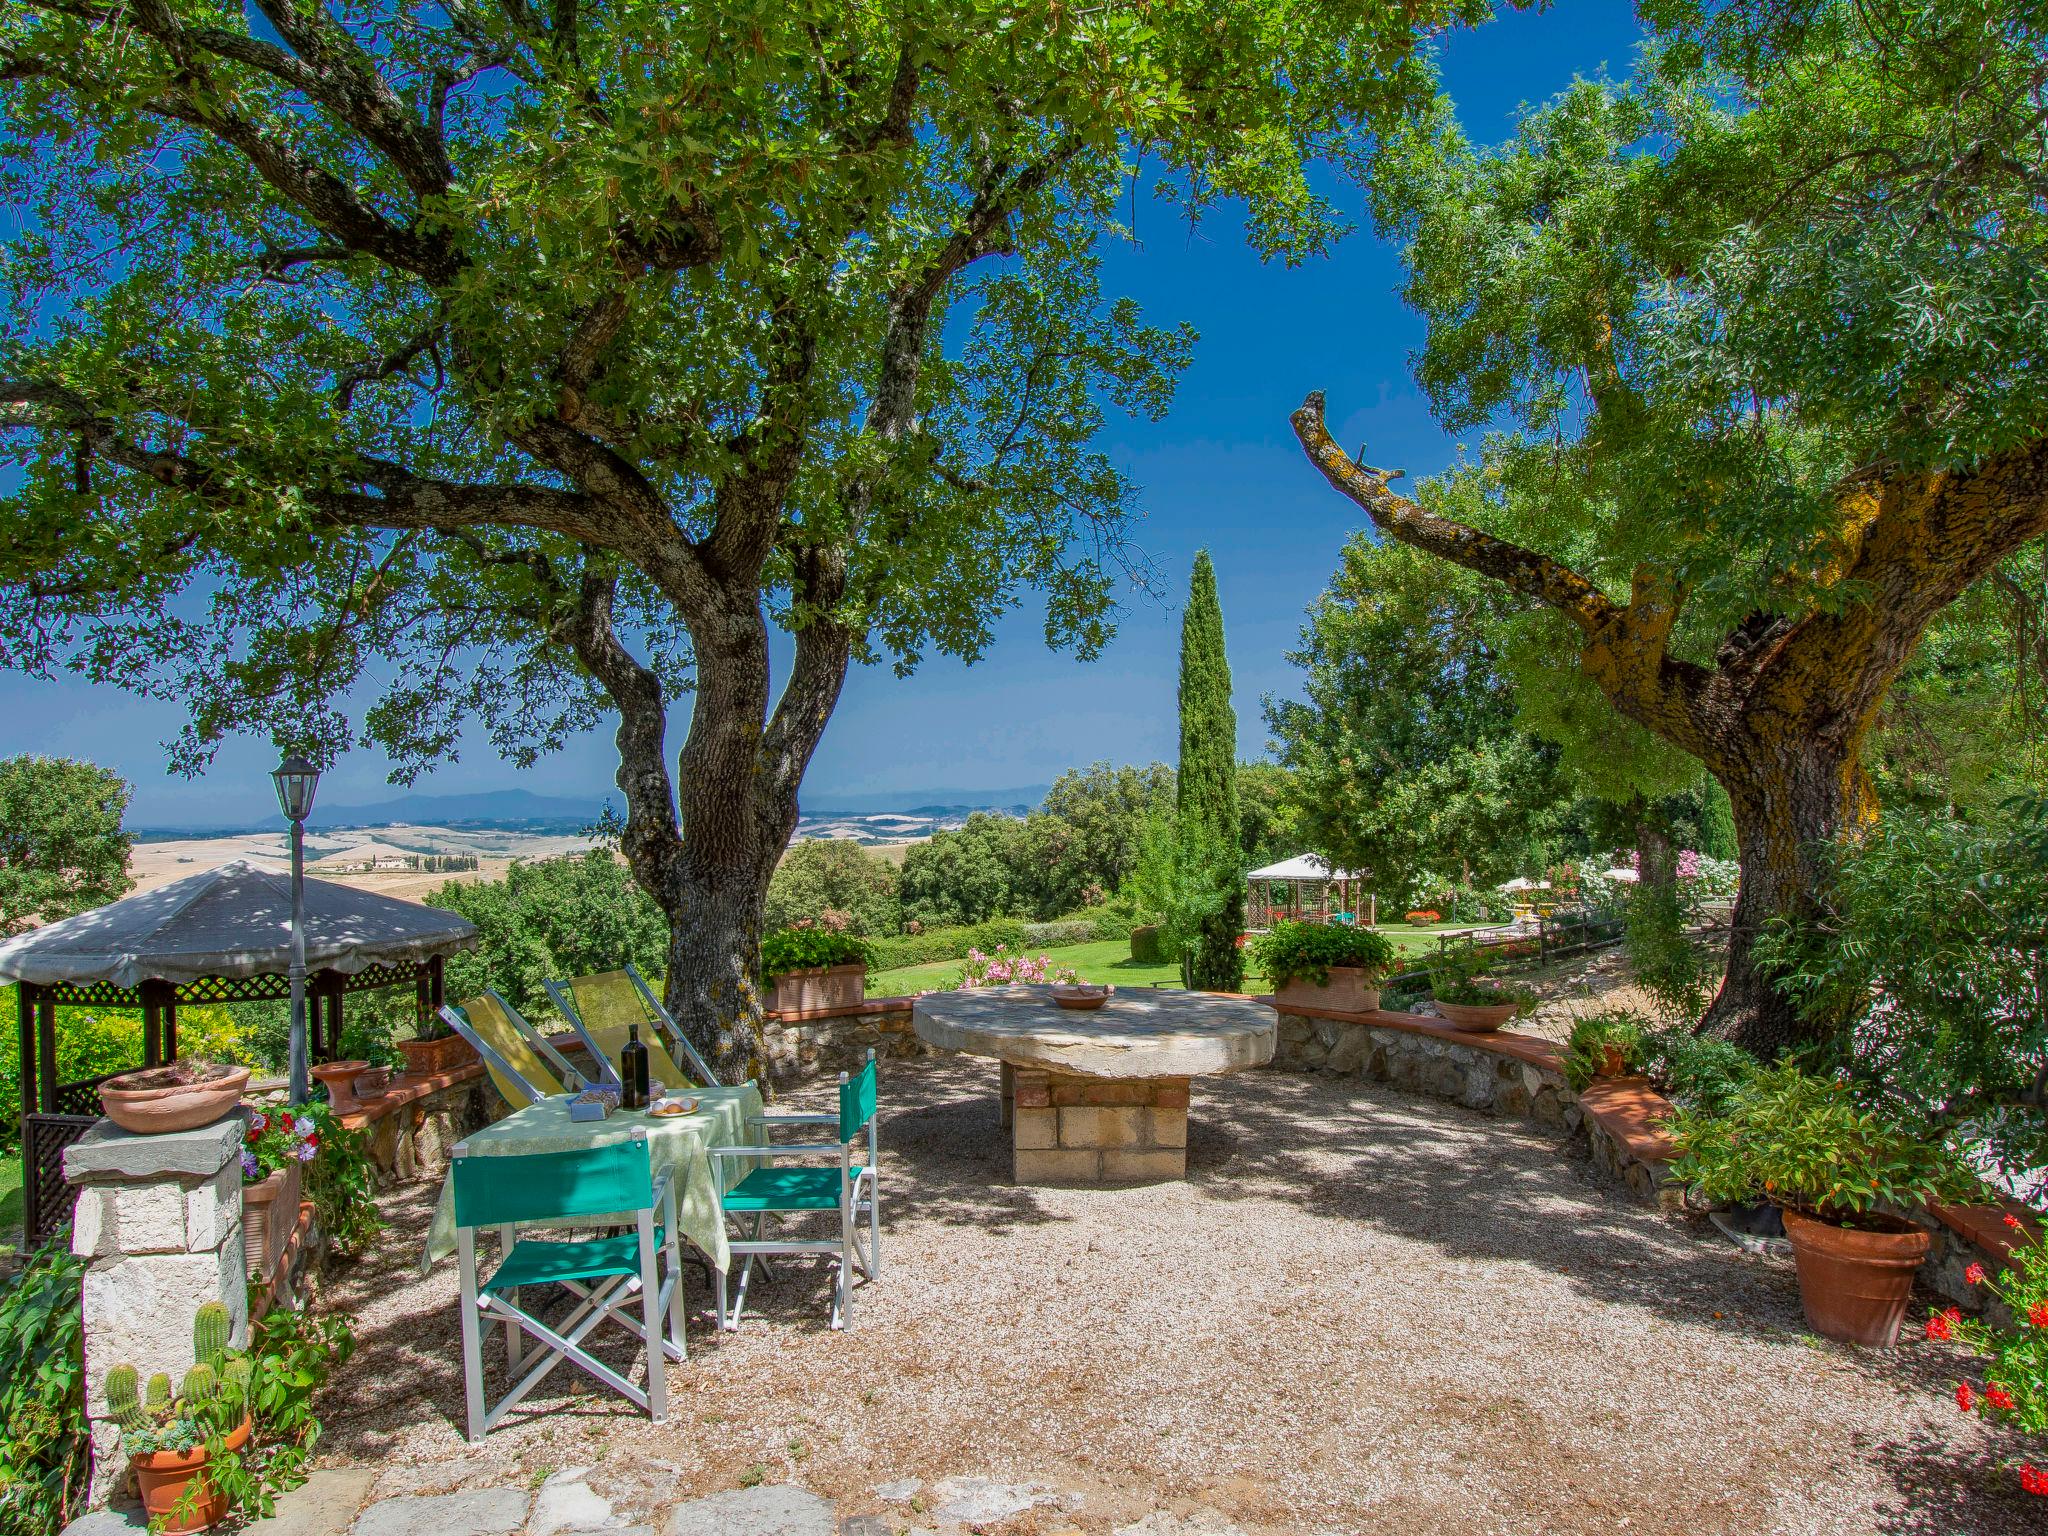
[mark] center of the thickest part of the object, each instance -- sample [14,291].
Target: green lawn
[1110,960]
[10,1201]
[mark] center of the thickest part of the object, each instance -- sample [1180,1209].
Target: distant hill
[493,807]
[926,802]
[524,810]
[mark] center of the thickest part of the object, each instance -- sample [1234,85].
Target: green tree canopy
[964,875]
[1106,806]
[62,848]
[1757,338]
[821,875]
[551,918]
[1407,750]
[520,363]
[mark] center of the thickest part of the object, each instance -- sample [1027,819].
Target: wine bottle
[633,1071]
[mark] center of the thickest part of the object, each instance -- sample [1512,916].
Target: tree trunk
[1790,803]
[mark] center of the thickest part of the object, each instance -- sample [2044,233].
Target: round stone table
[1099,1097]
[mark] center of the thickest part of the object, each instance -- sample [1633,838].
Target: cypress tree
[1208,787]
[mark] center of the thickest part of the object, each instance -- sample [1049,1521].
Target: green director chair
[847,1187]
[633,1279]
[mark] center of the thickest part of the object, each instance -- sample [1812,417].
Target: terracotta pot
[161,1478]
[372,1084]
[134,1105]
[1082,997]
[338,1078]
[1350,989]
[432,1058]
[821,988]
[1854,1282]
[1613,1061]
[270,1209]
[1481,1018]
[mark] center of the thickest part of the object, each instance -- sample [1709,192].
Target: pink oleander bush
[1001,969]
[2015,1387]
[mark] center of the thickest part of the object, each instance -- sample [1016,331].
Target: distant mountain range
[522,808]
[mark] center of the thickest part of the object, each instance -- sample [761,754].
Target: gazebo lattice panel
[47,1197]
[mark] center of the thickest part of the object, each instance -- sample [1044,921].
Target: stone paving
[332,1504]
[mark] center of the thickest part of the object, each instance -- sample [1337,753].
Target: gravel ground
[1363,1312]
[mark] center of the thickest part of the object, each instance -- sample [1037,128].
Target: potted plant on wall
[1322,965]
[1469,1001]
[814,969]
[1610,1043]
[435,1050]
[275,1149]
[173,1438]
[1840,1174]
[179,1096]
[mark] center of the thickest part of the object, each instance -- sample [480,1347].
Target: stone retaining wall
[806,1045]
[414,1128]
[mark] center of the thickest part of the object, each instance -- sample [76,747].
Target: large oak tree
[1759,340]
[513,362]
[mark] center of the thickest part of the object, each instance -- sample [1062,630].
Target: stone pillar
[160,1221]
[1067,1129]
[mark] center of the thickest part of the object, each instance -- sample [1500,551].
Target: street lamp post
[296,780]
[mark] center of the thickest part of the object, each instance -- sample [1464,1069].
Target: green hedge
[936,944]
[1147,947]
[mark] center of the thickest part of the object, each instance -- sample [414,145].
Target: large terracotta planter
[148,1104]
[823,988]
[339,1078]
[161,1478]
[1854,1282]
[431,1058]
[1350,989]
[270,1209]
[1480,1018]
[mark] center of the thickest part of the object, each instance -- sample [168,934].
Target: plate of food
[663,1109]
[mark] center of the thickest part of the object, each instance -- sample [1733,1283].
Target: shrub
[1697,1072]
[1059,932]
[1148,944]
[1927,948]
[1001,969]
[1666,963]
[1802,1140]
[1586,1052]
[931,945]
[809,948]
[2015,1390]
[43,1438]
[1306,951]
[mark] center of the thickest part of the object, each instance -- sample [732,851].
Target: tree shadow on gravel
[1483,1188]
[1942,1493]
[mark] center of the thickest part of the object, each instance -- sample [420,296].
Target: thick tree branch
[651,842]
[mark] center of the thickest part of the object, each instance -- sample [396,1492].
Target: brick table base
[1068,1129]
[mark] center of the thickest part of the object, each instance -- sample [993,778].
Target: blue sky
[1221,471]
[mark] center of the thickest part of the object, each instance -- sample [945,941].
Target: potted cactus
[171,1437]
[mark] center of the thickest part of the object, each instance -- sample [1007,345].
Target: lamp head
[296,779]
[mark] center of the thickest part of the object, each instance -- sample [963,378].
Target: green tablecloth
[679,1142]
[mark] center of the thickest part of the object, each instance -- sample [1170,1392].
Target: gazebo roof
[1303,866]
[234,922]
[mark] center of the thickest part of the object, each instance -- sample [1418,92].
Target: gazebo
[224,936]
[1298,889]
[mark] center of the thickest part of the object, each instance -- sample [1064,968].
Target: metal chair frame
[663,1026]
[611,1298]
[859,1199]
